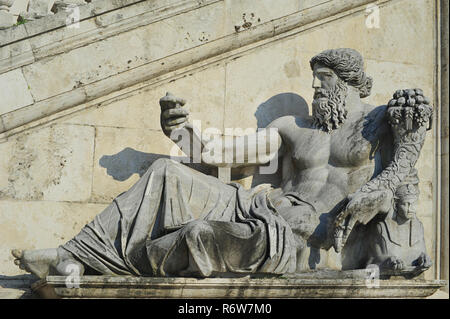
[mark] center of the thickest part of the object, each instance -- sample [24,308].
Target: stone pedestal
[246,287]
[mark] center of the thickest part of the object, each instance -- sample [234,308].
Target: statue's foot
[38,262]
[393,263]
[44,262]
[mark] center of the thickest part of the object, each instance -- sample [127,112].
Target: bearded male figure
[339,167]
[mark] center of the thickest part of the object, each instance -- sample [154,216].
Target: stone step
[245,287]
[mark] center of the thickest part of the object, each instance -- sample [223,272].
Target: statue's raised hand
[173,115]
[361,208]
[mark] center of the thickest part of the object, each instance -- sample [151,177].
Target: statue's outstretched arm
[210,146]
[236,151]
[409,116]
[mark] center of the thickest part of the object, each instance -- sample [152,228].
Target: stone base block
[245,287]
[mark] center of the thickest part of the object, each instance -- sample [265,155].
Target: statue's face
[406,207]
[330,92]
[323,79]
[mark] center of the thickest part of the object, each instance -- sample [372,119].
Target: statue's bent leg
[167,196]
[205,248]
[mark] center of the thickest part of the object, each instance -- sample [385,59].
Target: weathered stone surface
[383,43]
[244,14]
[7,20]
[141,107]
[37,9]
[132,287]
[49,164]
[124,51]
[35,112]
[232,41]
[58,222]
[14,91]
[121,156]
[19,6]
[14,55]
[252,91]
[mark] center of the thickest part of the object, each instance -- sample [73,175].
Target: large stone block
[244,14]
[273,77]
[53,163]
[38,225]
[15,55]
[204,92]
[19,6]
[14,91]
[404,26]
[122,156]
[391,76]
[128,50]
[305,4]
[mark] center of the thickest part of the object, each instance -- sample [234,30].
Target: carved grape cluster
[410,107]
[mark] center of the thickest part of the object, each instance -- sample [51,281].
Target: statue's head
[406,197]
[334,71]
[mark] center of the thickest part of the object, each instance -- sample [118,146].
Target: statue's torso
[325,167]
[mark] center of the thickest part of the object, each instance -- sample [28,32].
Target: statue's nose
[316,83]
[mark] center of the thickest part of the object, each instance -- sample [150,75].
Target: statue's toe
[18,253]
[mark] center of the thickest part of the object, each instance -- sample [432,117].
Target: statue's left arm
[409,115]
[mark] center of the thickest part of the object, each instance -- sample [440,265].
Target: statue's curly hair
[348,65]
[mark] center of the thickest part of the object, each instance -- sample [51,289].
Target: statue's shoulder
[289,122]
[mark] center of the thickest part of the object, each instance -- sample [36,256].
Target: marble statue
[342,169]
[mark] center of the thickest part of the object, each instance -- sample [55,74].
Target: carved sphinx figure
[396,238]
[339,167]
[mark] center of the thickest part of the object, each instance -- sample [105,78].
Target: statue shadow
[280,105]
[128,162]
[19,283]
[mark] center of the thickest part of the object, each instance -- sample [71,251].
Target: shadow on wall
[280,105]
[17,287]
[127,162]
[277,106]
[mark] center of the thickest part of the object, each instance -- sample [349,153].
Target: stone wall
[80,113]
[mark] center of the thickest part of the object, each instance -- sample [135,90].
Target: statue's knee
[197,228]
[161,162]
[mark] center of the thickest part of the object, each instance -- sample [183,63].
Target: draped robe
[176,221]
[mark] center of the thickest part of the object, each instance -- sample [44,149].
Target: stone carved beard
[328,107]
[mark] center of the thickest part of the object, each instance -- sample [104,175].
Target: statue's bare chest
[349,146]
